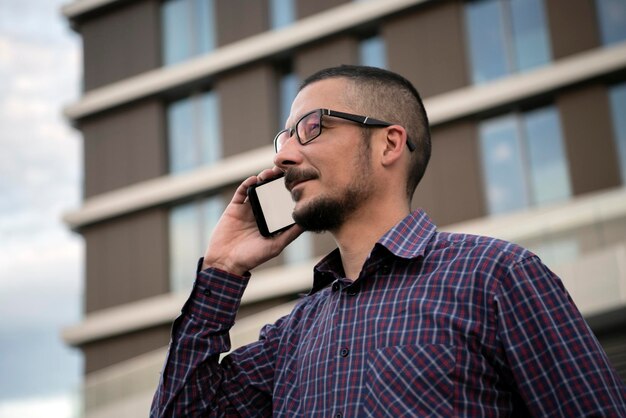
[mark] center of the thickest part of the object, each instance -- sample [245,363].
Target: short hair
[388,96]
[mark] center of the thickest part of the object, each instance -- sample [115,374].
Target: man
[402,320]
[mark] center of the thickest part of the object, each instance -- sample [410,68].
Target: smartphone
[272,206]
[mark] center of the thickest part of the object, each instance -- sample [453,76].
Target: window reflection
[288,89]
[502,165]
[612,19]
[372,52]
[618,110]
[190,227]
[188,29]
[282,13]
[524,161]
[193,132]
[505,36]
[548,173]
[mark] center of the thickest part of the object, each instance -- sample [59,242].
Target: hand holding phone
[272,206]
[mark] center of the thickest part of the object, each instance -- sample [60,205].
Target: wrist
[223,266]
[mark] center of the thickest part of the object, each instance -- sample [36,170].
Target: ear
[394,145]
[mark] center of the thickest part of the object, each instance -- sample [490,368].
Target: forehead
[324,94]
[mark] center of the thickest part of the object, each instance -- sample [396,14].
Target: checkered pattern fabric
[437,324]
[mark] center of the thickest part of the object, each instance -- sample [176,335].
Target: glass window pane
[194,132]
[618,110]
[177,45]
[191,225]
[529,34]
[299,250]
[486,35]
[372,52]
[204,25]
[282,13]
[210,128]
[211,211]
[288,86]
[503,170]
[188,29]
[612,17]
[181,137]
[549,176]
[184,246]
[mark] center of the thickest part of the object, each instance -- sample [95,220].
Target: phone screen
[272,206]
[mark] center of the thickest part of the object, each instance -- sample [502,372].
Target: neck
[358,235]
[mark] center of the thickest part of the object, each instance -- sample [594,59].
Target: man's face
[330,177]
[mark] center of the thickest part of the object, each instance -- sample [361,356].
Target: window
[617,96]
[194,132]
[524,162]
[612,19]
[299,250]
[188,29]
[282,13]
[190,227]
[288,89]
[505,37]
[372,52]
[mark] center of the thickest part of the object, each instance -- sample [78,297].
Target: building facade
[181,100]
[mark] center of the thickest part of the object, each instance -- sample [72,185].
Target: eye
[309,127]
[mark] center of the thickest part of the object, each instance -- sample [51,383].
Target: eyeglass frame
[363,120]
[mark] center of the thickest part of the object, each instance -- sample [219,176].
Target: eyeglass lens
[309,127]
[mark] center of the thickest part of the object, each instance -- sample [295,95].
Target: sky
[40,179]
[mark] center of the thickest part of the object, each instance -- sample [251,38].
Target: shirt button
[336,286]
[338,415]
[206,291]
[344,352]
[353,290]
[385,269]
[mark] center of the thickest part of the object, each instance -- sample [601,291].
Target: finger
[268,174]
[241,194]
[289,235]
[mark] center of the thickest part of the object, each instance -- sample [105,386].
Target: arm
[557,364]
[194,382]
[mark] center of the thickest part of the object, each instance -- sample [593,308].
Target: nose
[289,154]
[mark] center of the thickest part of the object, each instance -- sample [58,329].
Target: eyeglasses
[309,127]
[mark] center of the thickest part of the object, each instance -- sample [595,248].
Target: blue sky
[40,179]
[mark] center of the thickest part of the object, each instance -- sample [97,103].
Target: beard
[329,212]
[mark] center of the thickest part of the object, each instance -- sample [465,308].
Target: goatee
[327,214]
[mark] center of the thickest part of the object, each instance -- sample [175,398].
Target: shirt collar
[408,239]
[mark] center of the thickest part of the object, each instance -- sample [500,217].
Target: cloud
[40,260]
[53,406]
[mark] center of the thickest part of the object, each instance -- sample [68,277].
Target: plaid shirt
[437,324]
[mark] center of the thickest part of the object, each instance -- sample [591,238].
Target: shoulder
[478,247]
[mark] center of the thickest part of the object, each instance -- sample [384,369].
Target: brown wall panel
[123,147]
[104,353]
[427,46]
[587,128]
[573,26]
[126,259]
[121,42]
[451,190]
[330,53]
[248,109]
[238,19]
[306,8]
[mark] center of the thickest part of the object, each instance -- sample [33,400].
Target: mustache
[294,176]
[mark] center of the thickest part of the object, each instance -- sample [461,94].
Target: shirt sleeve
[193,381]
[557,364]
